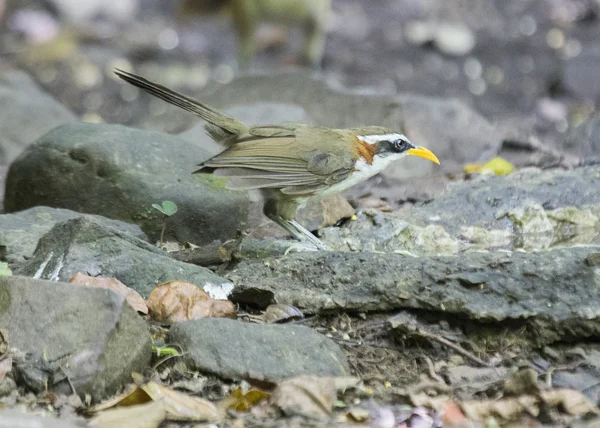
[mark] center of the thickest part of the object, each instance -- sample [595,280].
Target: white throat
[363,171]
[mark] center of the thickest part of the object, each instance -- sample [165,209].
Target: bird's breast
[362,171]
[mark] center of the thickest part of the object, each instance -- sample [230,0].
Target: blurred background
[531,67]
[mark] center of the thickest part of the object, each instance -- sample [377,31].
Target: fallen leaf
[505,409]
[180,406]
[496,166]
[571,401]
[133,297]
[177,301]
[452,416]
[310,396]
[133,396]
[148,415]
[241,402]
[279,312]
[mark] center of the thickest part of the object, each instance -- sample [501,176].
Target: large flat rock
[269,352]
[557,288]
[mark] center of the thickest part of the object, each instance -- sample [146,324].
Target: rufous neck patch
[364,150]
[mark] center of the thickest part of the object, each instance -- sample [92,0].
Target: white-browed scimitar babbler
[291,162]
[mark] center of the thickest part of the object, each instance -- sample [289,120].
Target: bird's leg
[282,211]
[299,232]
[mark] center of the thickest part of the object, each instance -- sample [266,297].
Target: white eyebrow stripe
[372,139]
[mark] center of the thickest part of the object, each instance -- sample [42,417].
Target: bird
[310,15]
[289,163]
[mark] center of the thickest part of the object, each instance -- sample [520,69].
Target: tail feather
[219,119]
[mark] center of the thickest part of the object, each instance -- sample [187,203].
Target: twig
[432,373]
[454,347]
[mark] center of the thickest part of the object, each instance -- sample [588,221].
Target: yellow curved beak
[424,153]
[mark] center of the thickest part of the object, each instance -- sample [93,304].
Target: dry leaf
[180,406]
[312,396]
[241,402]
[280,312]
[133,396]
[571,401]
[133,297]
[506,409]
[177,301]
[148,415]
[452,416]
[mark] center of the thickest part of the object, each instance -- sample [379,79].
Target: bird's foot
[301,247]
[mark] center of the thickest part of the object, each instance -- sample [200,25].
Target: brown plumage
[292,162]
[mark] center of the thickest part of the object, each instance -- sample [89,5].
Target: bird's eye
[400,144]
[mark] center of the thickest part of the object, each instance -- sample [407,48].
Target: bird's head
[392,146]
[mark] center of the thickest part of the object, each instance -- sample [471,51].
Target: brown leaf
[241,402]
[312,396]
[133,297]
[505,409]
[571,401]
[133,396]
[180,406]
[177,301]
[280,312]
[148,415]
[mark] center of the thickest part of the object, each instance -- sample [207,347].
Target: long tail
[219,119]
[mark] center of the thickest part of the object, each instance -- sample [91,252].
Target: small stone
[593,259]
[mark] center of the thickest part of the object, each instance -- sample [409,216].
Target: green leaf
[4,269]
[162,351]
[169,208]
[158,208]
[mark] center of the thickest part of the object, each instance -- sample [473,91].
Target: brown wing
[279,162]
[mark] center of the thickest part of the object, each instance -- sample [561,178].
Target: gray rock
[21,231]
[85,337]
[119,173]
[553,289]
[270,352]
[580,74]
[85,245]
[452,130]
[585,140]
[32,113]
[491,201]
[375,231]
[12,418]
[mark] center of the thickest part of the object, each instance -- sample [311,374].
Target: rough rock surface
[488,201]
[65,335]
[84,245]
[21,231]
[270,352]
[119,173]
[32,113]
[554,287]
